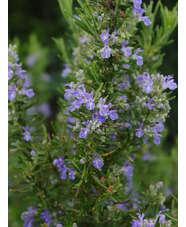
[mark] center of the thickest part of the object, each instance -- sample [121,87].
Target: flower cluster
[153,104]
[126,50]
[18,80]
[77,96]
[160,218]
[46,217]
[138,12]
[63,169]
[28,216]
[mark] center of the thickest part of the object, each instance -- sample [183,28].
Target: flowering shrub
[115,103]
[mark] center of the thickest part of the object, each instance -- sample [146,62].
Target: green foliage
[154,37]
[91,198]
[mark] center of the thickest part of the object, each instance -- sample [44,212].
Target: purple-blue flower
[139,131]
[27,216]
[44,108]
[66,70]
[128,170]
[168,82]
[139,222]
[150,105]
[126,50]
[162,219]
[72,174]
[159,184]
[63,173]
[113,115]
[84,39]
[139,59]
[90,101]
[137,3]
[98,162]
[126,66]
[148,82]
[26,134]
[98,117]
[59,162]
[138,11]
[81,96]
[10,71]
[103,109]
[20,72]
[28,92]
[84,131]
[105,51]
[121,206]
[105,36]
[11,92]
[145,19]
[157,128]
[46,217]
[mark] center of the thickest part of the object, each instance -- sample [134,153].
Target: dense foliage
[112,112]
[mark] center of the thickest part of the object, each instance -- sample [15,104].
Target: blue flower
[28,92]
[105,36]
[113,115]
[139,222]
[168,82]
[159,184]
[128,170]
[27,216]
[98,162]
[81,96]
[10,71]
[59,162]
[139,59]
[98,117]
[157,128]
[26,134]
[138,11]
[148,83]
[103,109]
[11,92]
[145,19]
[72,174]
[126,50]
[162,219]
[139,131]
[84,39]
[84,131]
[137,3]
[46,217]
[20,72]
[63,173]
[126,66]
[105,51]
[90,101]
[121,206]
[66,70]
[150,105]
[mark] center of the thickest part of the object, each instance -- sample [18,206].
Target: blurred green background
[32,24]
